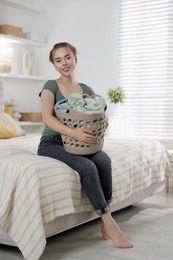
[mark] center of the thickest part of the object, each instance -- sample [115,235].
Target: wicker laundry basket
[73,119]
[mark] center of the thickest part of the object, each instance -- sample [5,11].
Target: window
[146,66]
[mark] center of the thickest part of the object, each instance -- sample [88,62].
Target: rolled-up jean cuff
[102,211]
[109,202]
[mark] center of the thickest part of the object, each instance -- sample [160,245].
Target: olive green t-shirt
[53,87]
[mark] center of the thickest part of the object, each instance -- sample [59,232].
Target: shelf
[13,39]
[23,6]
[19,76]
[29,123]
[31,127]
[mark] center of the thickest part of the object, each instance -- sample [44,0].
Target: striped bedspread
[35,190]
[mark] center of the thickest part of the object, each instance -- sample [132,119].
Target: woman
[95,169]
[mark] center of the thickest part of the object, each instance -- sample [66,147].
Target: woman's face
[64,61]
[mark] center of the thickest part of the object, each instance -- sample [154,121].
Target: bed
[41,197]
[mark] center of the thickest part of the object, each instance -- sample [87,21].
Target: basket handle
[92,96]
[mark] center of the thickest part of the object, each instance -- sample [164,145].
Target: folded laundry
[87,104]
[82,103]
[62,106]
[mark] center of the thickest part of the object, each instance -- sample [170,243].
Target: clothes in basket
[91,115]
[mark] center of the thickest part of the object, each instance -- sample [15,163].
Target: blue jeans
[95,170]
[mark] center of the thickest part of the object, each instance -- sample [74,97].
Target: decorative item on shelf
[16,115]
[6,56]
[37,37]
[29,62]
[12,108]
[8,108]
[33,63]
[11,30]
[16,112]
[26,62]
[116,96]
[31,116]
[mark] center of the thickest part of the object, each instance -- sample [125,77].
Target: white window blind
[146,66]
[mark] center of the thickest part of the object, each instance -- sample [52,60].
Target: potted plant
[116,95]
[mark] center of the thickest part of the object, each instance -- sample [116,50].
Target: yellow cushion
[6,132]
[11,123]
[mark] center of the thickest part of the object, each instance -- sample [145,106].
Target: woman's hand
[84,135]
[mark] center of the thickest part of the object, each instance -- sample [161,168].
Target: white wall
[88,24]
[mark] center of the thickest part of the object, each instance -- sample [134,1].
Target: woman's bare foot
[104,235]
[112,231]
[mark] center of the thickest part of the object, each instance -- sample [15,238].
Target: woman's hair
[62,45]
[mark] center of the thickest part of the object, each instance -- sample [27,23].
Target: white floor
[148,224]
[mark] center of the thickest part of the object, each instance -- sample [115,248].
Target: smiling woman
[95,169]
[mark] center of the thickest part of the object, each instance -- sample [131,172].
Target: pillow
[11,123]
[6,132]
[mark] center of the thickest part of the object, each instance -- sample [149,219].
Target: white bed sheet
[35,190]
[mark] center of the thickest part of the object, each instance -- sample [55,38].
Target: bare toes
[124,246]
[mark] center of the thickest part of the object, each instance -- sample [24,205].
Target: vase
[116,109]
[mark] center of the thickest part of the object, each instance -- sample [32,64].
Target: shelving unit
[23,6]
[20,76]
[20,46]
[17,40]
